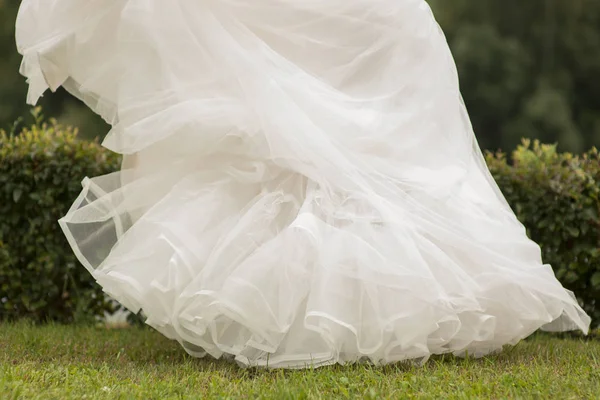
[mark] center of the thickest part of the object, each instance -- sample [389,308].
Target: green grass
[86,362]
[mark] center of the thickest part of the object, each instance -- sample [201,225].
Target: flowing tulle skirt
[301,183]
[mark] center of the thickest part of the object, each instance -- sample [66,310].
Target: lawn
[87,362]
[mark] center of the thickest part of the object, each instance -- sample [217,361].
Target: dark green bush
[557,197]
[40,173]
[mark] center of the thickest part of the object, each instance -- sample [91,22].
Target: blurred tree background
[527,69]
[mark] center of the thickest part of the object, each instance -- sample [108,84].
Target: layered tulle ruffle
[301,185]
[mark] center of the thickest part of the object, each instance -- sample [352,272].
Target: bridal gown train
[301,184]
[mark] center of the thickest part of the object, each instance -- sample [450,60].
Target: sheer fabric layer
[301,184]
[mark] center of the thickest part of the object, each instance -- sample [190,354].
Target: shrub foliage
[557,197]
[40,173]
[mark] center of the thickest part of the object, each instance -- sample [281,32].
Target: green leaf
[17,194]
[595,279]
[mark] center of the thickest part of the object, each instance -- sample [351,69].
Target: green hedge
[557,197]
[40,173]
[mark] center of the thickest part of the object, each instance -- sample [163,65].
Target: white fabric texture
[301,183]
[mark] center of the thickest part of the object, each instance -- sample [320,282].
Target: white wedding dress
[301,183]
